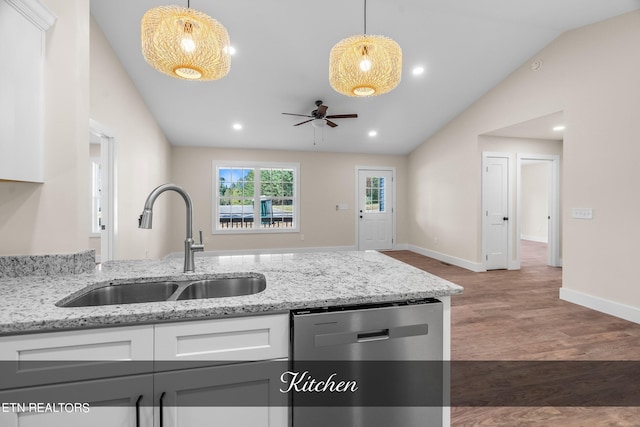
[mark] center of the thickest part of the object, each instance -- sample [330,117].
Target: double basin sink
[171,290]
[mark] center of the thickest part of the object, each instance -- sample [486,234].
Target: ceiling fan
[319,116]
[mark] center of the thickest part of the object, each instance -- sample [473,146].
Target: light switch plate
[582,213]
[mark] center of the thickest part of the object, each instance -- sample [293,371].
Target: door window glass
[374,195]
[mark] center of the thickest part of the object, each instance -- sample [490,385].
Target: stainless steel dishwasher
[385,343]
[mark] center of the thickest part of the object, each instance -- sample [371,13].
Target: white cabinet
[232,339]
[195,397]
[183,372]
[49,358]
[22,38]
[111,403]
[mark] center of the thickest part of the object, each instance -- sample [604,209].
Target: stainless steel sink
[139,292]
[224,287]
[125,294]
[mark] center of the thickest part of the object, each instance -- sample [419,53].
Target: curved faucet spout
[146,220]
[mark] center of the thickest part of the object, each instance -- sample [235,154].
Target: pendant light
[365,65]
[185,43]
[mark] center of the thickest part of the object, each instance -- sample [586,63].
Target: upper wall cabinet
[23,26]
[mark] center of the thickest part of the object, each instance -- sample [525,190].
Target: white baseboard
[602,305]
[540,239]
[265,251]
[458,262]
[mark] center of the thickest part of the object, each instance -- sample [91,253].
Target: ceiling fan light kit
[185,43]
[318,123]
[319,118]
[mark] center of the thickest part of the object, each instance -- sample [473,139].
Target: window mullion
[257,215]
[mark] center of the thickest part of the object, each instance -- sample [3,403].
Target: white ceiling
[281,65]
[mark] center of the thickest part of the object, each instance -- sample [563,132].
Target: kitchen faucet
[145,220]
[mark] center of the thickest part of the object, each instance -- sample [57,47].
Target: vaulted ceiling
[281,65]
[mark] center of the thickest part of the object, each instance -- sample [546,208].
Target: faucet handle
[197,247]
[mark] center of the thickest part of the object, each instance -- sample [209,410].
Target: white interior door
[495,207]
[375,209]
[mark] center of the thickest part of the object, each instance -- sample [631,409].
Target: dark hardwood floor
[518,316]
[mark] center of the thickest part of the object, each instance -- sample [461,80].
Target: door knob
[506,218]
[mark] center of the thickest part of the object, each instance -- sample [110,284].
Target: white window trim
[217,164]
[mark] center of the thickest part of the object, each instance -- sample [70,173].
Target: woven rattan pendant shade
[365,65]
[185,43]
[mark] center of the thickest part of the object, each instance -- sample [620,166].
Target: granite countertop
[299,280]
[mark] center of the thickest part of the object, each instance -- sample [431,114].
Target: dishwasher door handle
[346,337]
[378,335]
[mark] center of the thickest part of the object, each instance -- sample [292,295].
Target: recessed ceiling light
[237,126]
[417,71]
[558,128]
[373,133]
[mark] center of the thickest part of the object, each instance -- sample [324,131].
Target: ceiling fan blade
[306,121]
[330,123]
[342,116]
[301,115]
[322,110]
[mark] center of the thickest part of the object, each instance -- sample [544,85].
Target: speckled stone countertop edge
[47,265]
[294,281]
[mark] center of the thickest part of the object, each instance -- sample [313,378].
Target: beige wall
[143,152]
[326,179]
[54,217]
[590,74]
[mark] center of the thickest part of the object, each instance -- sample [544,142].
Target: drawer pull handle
[161,409]
[382,334]
[138,411]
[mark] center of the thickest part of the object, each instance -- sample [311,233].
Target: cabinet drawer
[234,339]
[75,355]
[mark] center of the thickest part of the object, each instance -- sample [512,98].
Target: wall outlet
[582,213]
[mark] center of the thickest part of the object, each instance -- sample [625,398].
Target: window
[375,195]
[254,197]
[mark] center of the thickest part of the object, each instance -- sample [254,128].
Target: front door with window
[375,209]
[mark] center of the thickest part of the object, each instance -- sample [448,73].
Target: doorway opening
[538,205]
[104,225]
